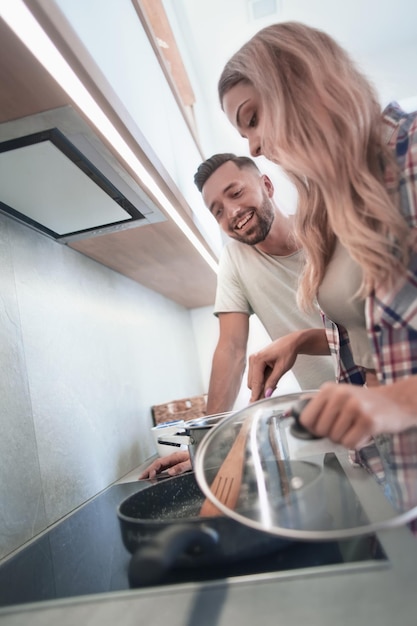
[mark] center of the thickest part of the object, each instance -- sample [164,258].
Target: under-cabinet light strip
[18,17]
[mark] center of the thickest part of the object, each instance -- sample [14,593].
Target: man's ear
[268,185]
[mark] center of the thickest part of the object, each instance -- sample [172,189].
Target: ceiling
[377,33]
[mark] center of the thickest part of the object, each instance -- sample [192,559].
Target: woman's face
[243,109]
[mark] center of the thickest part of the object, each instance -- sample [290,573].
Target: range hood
[59,178]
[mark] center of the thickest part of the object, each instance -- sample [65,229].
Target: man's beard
[265,216]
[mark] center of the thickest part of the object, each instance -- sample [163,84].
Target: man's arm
[228,363]
[226,376]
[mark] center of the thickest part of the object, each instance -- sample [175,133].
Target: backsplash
[84,353]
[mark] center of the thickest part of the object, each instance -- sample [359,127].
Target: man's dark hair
[208,167]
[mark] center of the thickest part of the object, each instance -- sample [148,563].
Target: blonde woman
[298,99]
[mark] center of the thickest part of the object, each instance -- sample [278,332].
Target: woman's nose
[255,147]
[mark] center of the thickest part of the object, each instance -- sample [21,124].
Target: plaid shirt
[391,322]
[391,315]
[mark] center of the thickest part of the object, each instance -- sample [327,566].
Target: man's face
[240,200]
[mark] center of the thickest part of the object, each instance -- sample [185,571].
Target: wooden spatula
[226,485]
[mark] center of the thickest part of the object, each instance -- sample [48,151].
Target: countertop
[380,594]
[382,597]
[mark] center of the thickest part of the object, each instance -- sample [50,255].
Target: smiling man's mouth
[244,221]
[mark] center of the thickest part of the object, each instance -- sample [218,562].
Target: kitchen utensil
[162,529]
[289,488]
[164,431]
[192,432]
[226,485]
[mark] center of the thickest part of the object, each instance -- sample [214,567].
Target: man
[259,270]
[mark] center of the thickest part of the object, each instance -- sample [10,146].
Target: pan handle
[174,439]
[151,562]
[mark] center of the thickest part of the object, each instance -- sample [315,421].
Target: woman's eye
[252,121]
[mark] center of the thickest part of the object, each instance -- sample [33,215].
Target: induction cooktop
[84,554]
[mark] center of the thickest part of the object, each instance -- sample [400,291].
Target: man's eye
[252,121]
[237,193]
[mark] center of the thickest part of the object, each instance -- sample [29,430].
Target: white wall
[84,354]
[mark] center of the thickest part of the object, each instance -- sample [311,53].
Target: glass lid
[261,468]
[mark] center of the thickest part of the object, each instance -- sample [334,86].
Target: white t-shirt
[250,281]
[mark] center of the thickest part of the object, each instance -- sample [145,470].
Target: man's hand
[175,464]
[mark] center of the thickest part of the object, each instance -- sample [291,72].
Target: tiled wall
[84,353]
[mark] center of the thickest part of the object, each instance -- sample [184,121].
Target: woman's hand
[267,366]
[351,415]
[175,464]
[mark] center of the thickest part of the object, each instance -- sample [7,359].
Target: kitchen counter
[380,593]
[383,596]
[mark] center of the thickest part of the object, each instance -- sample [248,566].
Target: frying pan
[162,529]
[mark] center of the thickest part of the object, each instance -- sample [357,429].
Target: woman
[299,100]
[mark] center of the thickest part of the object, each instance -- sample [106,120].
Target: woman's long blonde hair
[325,132]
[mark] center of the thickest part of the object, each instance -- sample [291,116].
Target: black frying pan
[162,529]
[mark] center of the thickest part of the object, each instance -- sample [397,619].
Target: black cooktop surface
[84,554]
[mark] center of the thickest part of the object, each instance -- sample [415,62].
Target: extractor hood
[58,177]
